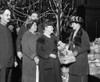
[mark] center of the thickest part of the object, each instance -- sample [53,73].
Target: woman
[24,28]
[79,44]
[49,65]
[30,58]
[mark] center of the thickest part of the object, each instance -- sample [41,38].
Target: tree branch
[51,7]
[44,14]
[66,5]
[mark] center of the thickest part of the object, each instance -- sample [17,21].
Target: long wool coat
[81,67]
[49,68]
[22,30]
[6,48]
[29,52]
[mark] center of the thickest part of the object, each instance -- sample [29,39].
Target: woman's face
[49,29]
[75,26]
[34,27]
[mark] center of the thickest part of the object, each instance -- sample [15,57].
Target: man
[34,16]
[6,48]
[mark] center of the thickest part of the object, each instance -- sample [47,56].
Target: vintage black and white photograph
[49,40]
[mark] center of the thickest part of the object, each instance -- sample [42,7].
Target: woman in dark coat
[79,43]
[30,58]
[49,65]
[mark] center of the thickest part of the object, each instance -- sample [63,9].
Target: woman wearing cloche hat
[79,43]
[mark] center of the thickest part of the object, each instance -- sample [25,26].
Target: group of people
[35,48]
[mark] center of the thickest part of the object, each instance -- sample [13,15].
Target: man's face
[5,17]
[34,16]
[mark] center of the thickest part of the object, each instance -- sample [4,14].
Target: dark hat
[48,23]
[76,19]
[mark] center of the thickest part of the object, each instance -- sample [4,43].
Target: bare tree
[60,10]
